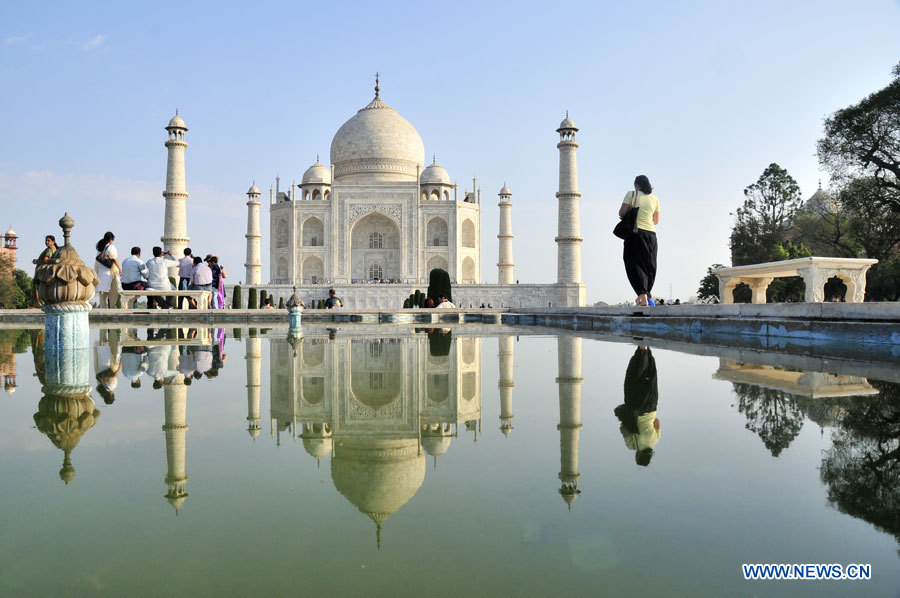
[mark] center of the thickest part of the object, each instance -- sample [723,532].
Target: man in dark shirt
[332,300]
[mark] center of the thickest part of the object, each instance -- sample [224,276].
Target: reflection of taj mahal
[377,406]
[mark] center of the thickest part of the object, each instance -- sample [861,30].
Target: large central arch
[375,246]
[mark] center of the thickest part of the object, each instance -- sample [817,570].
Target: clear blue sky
[700,96]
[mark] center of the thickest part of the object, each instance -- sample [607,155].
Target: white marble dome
[505,190]
[253,190]
[318,174]
[435,175]
[567,123]
[176,122]
[377,145]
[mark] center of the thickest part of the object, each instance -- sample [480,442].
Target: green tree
[439,284]
[771,414]
[764,219]
[709,284]
[863,140]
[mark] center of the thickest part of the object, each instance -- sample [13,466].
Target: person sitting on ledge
[444,303]
[333,300]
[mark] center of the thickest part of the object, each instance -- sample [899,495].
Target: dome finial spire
[377,88]
[434,158]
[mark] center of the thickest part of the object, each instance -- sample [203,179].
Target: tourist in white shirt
[201,276]
[133,271]
[158,276]
[444,303]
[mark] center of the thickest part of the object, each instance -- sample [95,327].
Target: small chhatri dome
[435,175]
[176,122]
[318,174]
[505,190]
[11,232]
[253,190]
[567,124]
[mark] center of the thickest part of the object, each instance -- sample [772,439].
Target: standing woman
[108,270]
[640,249]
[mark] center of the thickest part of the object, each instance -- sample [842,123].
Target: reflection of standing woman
[640,249]
[640,426]
[108,270]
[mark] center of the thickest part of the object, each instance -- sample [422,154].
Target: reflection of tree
[771,414]
[862,467]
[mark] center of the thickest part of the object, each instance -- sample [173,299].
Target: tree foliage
[709,284]
[863,140]
[439,284]
[862,467]
[764,219]
[771,414]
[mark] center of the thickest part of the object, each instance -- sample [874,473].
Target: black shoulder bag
[627,226]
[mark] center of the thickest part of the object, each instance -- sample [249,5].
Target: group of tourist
[134,274]
[133,361]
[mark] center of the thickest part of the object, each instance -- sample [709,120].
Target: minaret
[253,265]
[254,360]
[505,264]
[506,384]
[569,380]
[175,237]
[175,393]
[568,239]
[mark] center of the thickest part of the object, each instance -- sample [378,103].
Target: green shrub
[406,304]
[236,297]
[439,284]
[281,303]
[262,298]
[251,299]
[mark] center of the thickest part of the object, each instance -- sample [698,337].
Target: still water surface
[438,464]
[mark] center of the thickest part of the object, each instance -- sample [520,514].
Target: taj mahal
[377,219]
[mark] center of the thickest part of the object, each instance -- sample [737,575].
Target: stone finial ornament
[64,419]
[65,280]
[294,301]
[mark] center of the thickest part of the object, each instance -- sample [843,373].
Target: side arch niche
[281,234]
[436,233]
[313,270]
[468,234]
[313,232]
[468,271]
[436,263]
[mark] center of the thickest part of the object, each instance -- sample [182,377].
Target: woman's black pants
[639,255]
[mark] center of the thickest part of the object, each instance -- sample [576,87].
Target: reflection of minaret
[254,360]
[506,384]
[176,434]
[569,380]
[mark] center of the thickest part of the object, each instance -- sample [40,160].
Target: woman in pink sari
[218,282]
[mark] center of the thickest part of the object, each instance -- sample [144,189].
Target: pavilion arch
[327,195]
[281,272]
[313,270]
[468,271]
[435,195]
[281,234]
[436,263]
[316,194]
[436,233]
[312,232]
[375,240]
[446,195]
[468,234]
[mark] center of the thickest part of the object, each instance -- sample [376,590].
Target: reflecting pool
[406,461]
